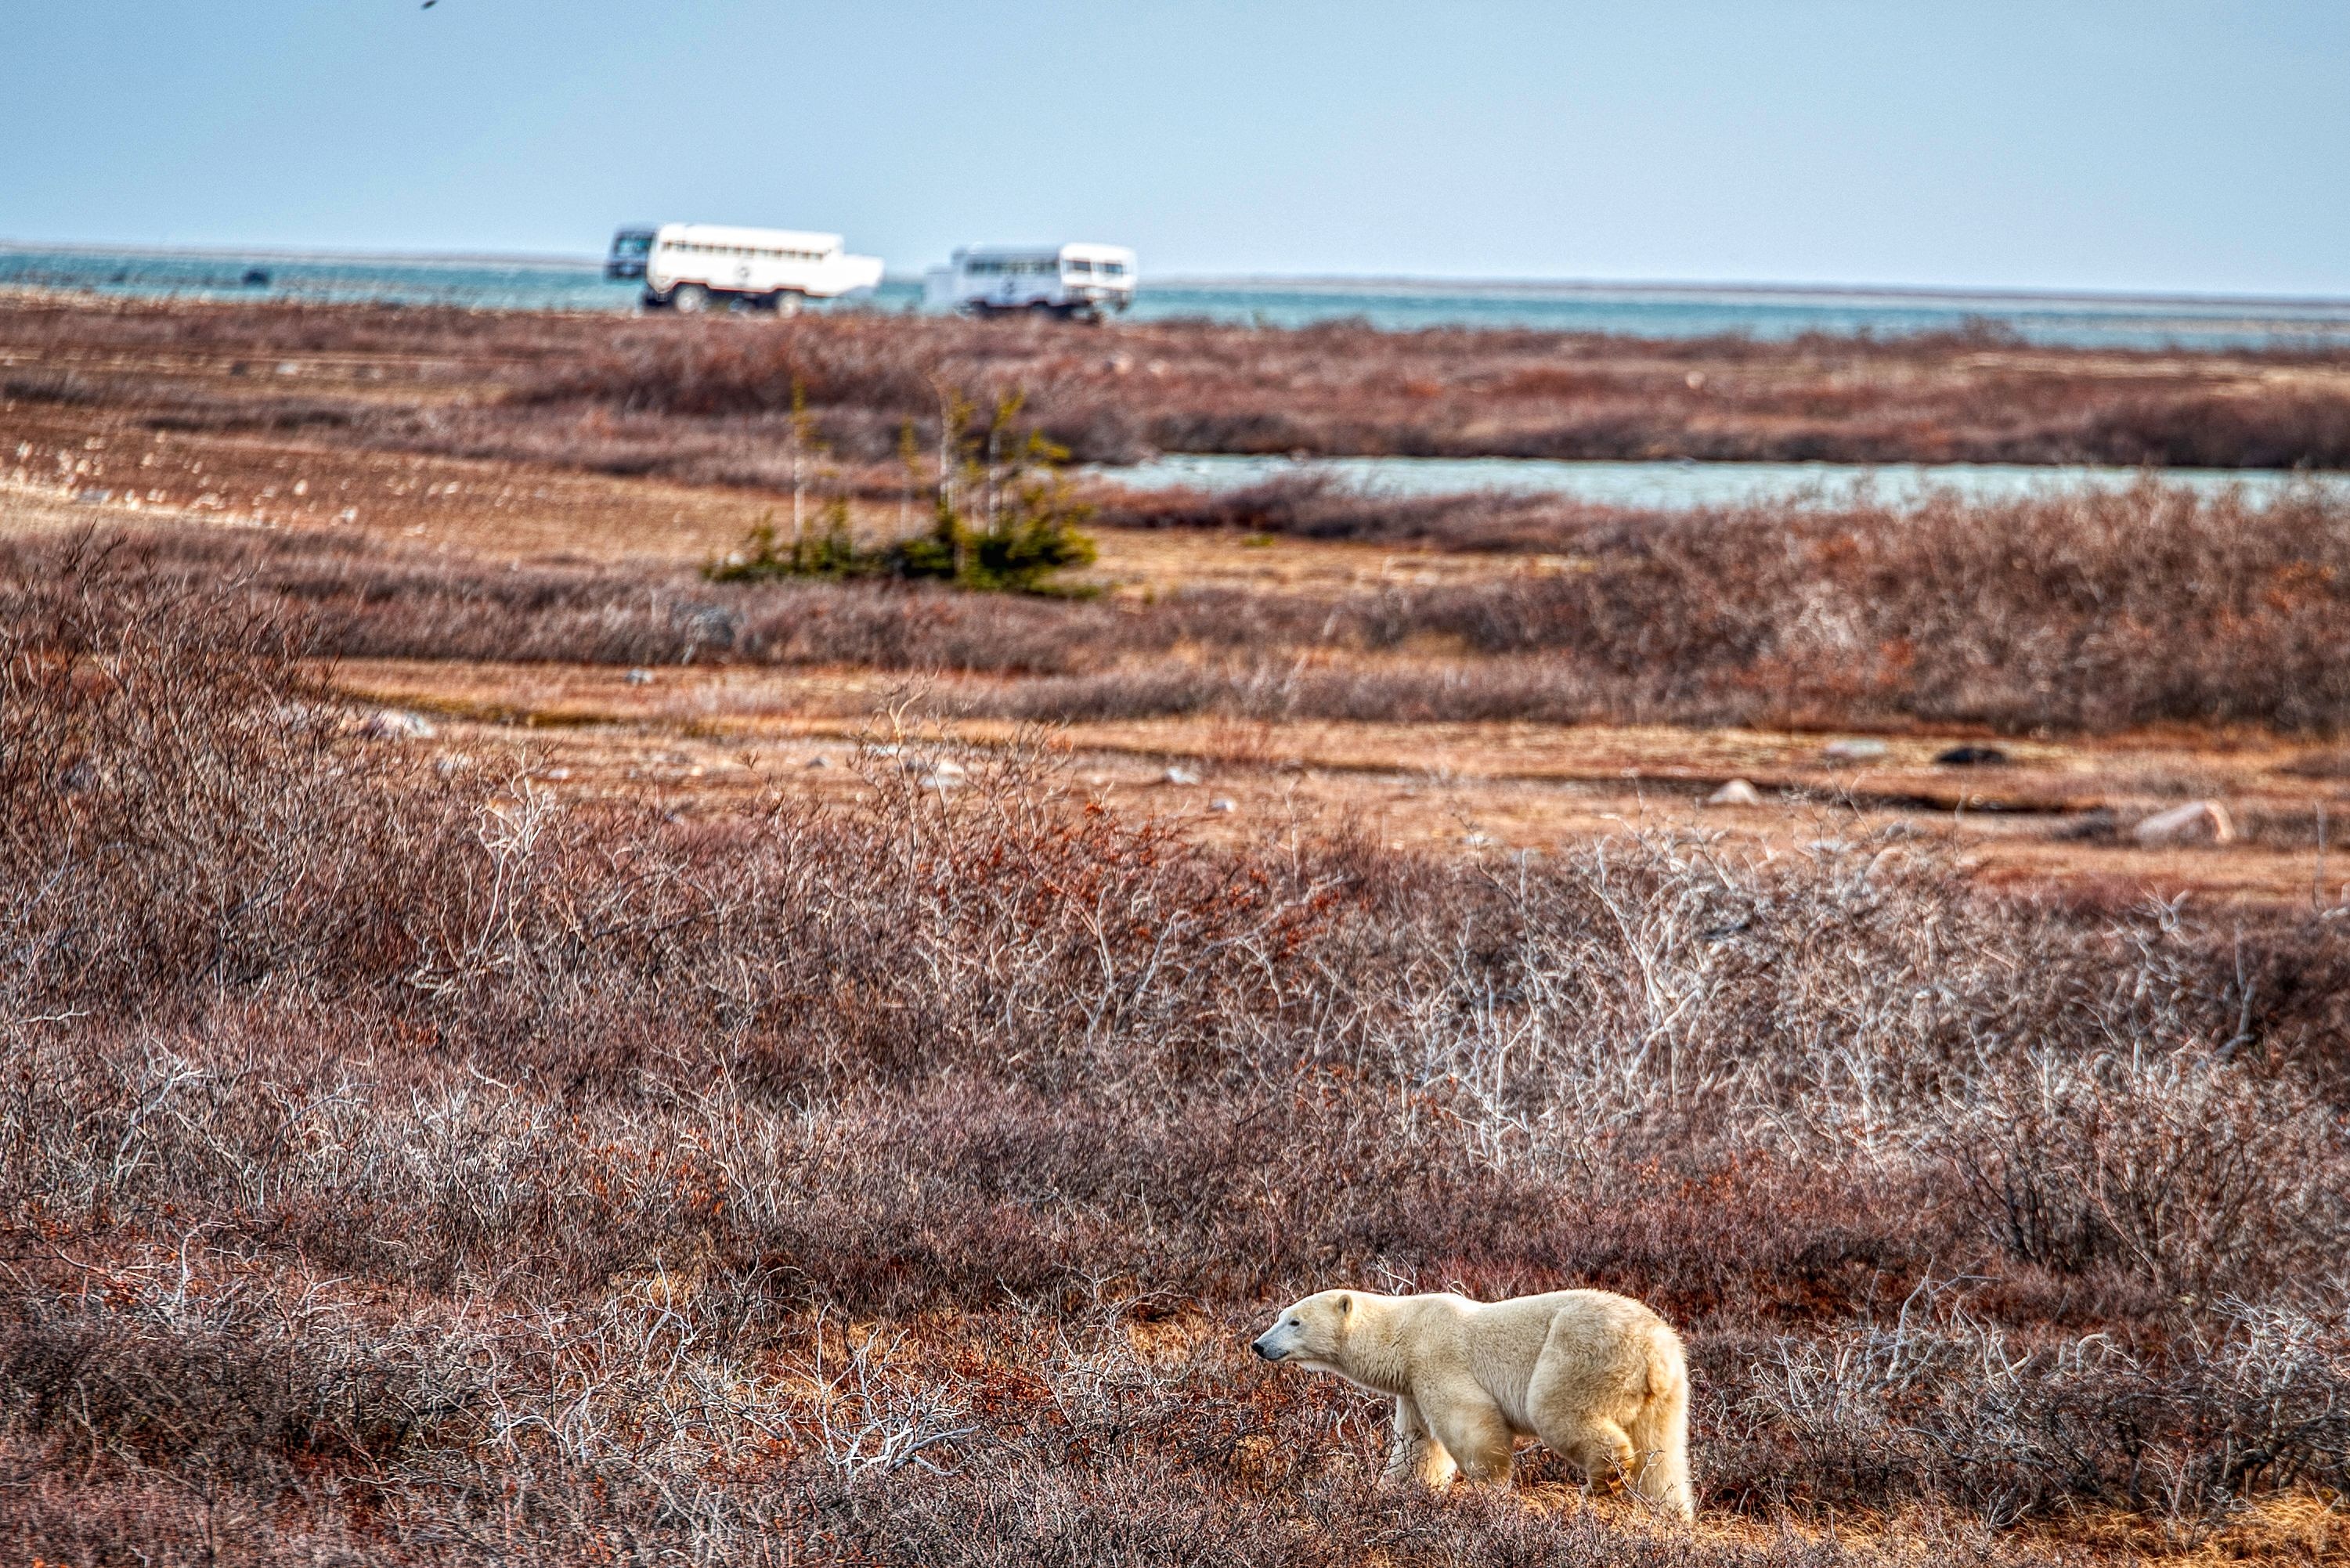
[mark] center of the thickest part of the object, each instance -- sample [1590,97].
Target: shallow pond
[1679,486]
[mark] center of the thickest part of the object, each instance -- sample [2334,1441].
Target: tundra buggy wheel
[689,299]
[785,302]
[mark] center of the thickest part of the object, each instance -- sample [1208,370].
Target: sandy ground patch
[2057,814]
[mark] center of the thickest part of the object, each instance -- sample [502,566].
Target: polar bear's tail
[1660,1432]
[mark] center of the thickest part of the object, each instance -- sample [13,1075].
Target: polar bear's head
[1312,1334]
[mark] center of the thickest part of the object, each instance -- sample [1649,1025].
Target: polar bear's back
[1593,1349]
[1570,1314]
[1593,1340]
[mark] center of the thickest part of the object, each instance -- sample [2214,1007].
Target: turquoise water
[1679,486]
[481,284]
[541,284]
[1701,312]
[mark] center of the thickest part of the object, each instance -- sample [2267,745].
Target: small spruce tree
[1004,517]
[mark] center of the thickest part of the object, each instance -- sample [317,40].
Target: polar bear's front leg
[1413,1454]
[1474,1432]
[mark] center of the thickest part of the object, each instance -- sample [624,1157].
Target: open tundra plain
[518,1053]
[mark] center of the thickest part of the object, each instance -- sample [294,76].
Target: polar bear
[1597,1376]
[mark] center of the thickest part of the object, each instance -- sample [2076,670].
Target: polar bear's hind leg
[1596,1445]
[1660,1441]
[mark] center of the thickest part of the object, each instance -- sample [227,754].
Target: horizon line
[1334,282]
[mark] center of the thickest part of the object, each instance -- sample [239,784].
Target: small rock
[938,779]
[396,724]
[2319,765]
[1971,757]
[819,761]
[639,678]
[1222,803]
[945,768]
[1182,776]
[1853,751]
[2197,822]
[557,774]
[78,778]
[1737,791]
[1476,840]
[2092,826]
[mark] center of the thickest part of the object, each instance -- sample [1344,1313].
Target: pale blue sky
[2159,145]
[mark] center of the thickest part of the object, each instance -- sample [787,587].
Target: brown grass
[2095,614]
[402,1163]
[706,400]
[409,1167]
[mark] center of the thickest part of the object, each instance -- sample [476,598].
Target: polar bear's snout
[1277,1342]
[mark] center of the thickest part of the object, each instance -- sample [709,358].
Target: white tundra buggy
[1074,280]
[691,266]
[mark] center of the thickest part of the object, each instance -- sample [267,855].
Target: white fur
[1597,1376]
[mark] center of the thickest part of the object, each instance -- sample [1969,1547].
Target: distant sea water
[1639,310]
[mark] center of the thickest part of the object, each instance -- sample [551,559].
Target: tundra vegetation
[710,400]
[2090,614]
[406,1158]
[402,1165]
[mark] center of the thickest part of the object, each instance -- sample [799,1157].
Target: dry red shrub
[408,1169]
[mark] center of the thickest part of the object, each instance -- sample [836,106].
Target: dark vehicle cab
[629,249]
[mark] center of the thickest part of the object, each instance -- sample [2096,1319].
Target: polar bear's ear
[1345,1303]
